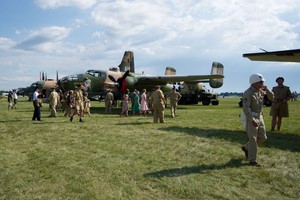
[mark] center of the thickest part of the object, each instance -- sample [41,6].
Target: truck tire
[205,102]
[215,102]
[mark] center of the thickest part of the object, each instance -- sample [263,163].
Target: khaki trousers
[158,113]
[173,106]
[108,105]
[256,135]
[53,109]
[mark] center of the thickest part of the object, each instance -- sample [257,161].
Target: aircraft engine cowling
[184,87]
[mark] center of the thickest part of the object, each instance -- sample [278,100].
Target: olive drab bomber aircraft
[97,82]
[44,84]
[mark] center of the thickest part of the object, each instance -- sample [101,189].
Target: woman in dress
[125,104]
[136,104]
[144,103]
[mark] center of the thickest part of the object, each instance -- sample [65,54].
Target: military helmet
[254,78]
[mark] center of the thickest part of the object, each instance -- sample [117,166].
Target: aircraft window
[102,75]
[72,77]
[96,73]
[91,72]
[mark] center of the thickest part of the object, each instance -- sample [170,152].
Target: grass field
[196,155]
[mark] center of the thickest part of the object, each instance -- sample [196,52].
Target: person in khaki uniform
[174,98]
[53,101]
[109,98]
[157,101]
[78,101]
[252,108]
[279,109]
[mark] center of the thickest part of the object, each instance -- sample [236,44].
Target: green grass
[196,155]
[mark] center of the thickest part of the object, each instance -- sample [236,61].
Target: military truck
[194,93]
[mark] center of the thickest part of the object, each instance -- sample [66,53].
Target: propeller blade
[125,75]
[112,78]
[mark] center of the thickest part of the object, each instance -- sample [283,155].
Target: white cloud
[52,4]
[6,43]
[187,34]
[194,23]
[46,40]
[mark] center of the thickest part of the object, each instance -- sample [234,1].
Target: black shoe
[71,118]
[254,164]
[245,151]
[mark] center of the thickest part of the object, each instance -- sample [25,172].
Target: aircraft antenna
[263,50]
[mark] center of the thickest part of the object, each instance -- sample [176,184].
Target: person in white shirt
[15,98]
[37,110]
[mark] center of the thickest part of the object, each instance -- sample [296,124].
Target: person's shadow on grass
[233,163]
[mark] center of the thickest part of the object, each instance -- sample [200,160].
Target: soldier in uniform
[158,105]
[78,100]
[109,98]
[279,109]
[174,98]
[53,101]
[252,108]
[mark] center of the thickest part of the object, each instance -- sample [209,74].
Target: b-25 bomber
[97,82]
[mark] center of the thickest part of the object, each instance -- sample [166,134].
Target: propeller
[121,82]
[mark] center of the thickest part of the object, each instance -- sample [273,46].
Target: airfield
[196,155]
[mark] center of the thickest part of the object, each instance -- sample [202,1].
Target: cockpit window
[70,78]
[94,73]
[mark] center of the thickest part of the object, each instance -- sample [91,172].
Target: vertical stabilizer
[127,62]
[170,71]
[216,69]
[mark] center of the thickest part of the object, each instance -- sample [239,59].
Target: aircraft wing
[161,80]
[277,56]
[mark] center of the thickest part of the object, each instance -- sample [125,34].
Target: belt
[278,100]
[255,114]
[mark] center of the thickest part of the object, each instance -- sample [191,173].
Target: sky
[72,36]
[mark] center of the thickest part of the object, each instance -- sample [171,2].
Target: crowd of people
[77,103]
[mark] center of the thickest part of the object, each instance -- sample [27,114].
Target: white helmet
[254,78]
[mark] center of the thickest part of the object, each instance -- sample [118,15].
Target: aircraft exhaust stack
[216,69]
